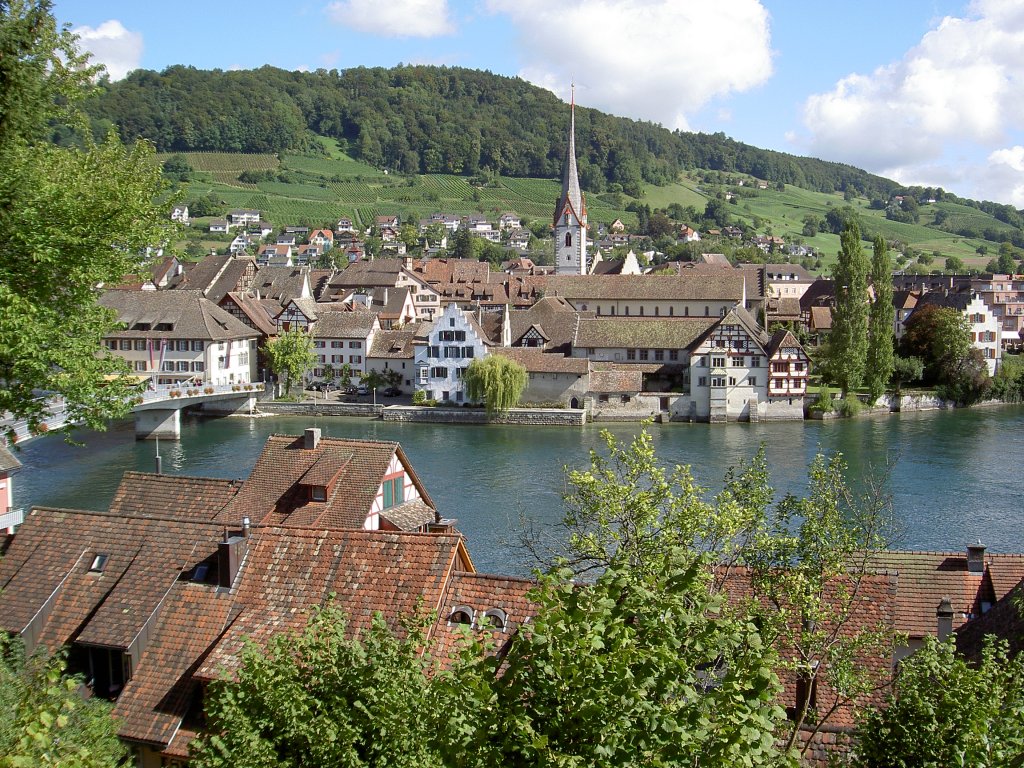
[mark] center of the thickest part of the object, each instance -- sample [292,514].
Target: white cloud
[659,60]
[938,112]
[393,18]
[110,44]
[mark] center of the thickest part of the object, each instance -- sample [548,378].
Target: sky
[927,92]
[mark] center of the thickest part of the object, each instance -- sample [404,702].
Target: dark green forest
[427,119]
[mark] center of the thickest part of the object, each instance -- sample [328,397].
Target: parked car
[362,389]
[392,392]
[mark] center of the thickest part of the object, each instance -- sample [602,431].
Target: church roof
[571,194]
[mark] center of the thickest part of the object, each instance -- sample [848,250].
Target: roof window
[461,614]
[99,562]
[495,618]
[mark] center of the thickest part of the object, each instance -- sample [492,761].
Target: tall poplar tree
[848,340]
[880,359]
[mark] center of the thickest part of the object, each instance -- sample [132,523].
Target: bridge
[158,409]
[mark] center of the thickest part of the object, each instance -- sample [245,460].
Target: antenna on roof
[159,461]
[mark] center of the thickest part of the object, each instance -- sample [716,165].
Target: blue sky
[922,91]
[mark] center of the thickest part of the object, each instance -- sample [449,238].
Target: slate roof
[616,380]
[280,283]
[51,557]
[641,332]
[721,285]
[344,325]
[159,695]
[149,495]
[480,593]
[273,493]
[536,360]
[555,317]
[190,315]
[368,274]
[1005,621]
[260,312]
[924,578]
[393,345]
[875,607]
[8,461]
[288,571]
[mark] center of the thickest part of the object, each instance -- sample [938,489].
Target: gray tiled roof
[344,325]
[641,333]
[189,315]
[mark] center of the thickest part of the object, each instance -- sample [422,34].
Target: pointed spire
[570,181]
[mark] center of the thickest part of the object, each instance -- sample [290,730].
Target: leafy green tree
[954,264]
[642,667]
[290,355]
[329,374]
[1006,263]
[906,369]
[323,697]
[945,711]
[848,339]
[177,168]
[461,244]
[806,557]
[373,379]
[881,316]
[46,720]
[497,381]
[71,218]
[941,337]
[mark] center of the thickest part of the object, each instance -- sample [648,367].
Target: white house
[179,336]
[986,327]
[444,350]
[180,214]
[343,338]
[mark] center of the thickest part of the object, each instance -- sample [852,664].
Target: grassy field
[317,190]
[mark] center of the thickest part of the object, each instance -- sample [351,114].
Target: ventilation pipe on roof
[944,618]
[246,527]
[312,436]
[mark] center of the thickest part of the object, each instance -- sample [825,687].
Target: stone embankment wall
[525,416]
[321,409]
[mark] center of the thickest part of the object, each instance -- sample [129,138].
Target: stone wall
[321,409]
[525,416]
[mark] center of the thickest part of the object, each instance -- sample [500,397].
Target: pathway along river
[956,476]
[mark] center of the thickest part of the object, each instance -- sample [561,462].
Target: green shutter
[388,501]
[399,490]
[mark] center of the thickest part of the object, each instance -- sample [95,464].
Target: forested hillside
[423,119]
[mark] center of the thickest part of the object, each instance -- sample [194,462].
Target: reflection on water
[954,475]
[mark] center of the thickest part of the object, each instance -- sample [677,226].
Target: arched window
[495,618]
[461,614]
[568,239]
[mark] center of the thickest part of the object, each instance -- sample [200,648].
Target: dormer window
[99,562]
[461,614]
[318,493]
[495,618]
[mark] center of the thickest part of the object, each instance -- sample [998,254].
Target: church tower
[571,213]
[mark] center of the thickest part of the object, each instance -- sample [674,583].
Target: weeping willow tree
[497,381]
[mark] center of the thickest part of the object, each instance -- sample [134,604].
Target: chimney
[944,618]
[230,554]
[312,436]
[246,527]
[976,558]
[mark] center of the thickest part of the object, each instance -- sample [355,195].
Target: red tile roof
[276,492]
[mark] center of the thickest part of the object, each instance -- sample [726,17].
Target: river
[954,476]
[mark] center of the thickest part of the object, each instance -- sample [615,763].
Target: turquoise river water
[954,476]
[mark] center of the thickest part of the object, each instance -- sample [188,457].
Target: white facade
[452,343]
[986,332]
[396,488]
[170,361]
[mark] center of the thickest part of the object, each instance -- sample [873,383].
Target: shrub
[419,397]
[824,402]
[849,406]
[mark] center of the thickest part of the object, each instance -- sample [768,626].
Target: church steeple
[571,193]
[570,220]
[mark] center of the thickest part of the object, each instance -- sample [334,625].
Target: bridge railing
[161,392]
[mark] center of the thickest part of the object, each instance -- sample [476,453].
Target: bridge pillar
[158,422]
